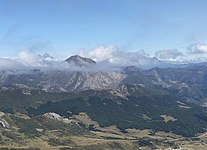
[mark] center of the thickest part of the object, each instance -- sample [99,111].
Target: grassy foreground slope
[43,132]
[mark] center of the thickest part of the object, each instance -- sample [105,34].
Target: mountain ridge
[187,82]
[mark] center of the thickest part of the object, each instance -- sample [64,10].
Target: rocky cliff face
[62,81]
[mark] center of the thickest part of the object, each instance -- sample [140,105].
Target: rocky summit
[80,61]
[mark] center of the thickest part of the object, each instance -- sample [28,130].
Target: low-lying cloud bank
[198,48]
[108,58]
[28,60]
[193,54]
[112,55]
[168,54]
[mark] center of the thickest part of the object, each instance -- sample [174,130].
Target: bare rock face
[80,61]
[55,116]
[52,115]
[61,81]
[4,123]
[1,114]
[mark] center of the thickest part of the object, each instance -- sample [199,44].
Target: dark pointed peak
[80,61]
[46,55]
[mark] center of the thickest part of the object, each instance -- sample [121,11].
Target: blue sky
[64,27]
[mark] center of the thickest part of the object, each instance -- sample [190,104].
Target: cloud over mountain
[168,54]
[100,53]
[198,48]
[113,55]
[9,63]
[107,58]
[29,58]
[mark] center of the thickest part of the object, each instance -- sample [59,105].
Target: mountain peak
[80,61]
[46,55]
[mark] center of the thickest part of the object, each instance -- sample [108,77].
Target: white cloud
[168,54]
[29,58]
[112,55]
[101,53]
[107,58]
[198,48]
[8,63]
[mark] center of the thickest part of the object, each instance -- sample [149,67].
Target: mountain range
[172,100]
[187,82]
